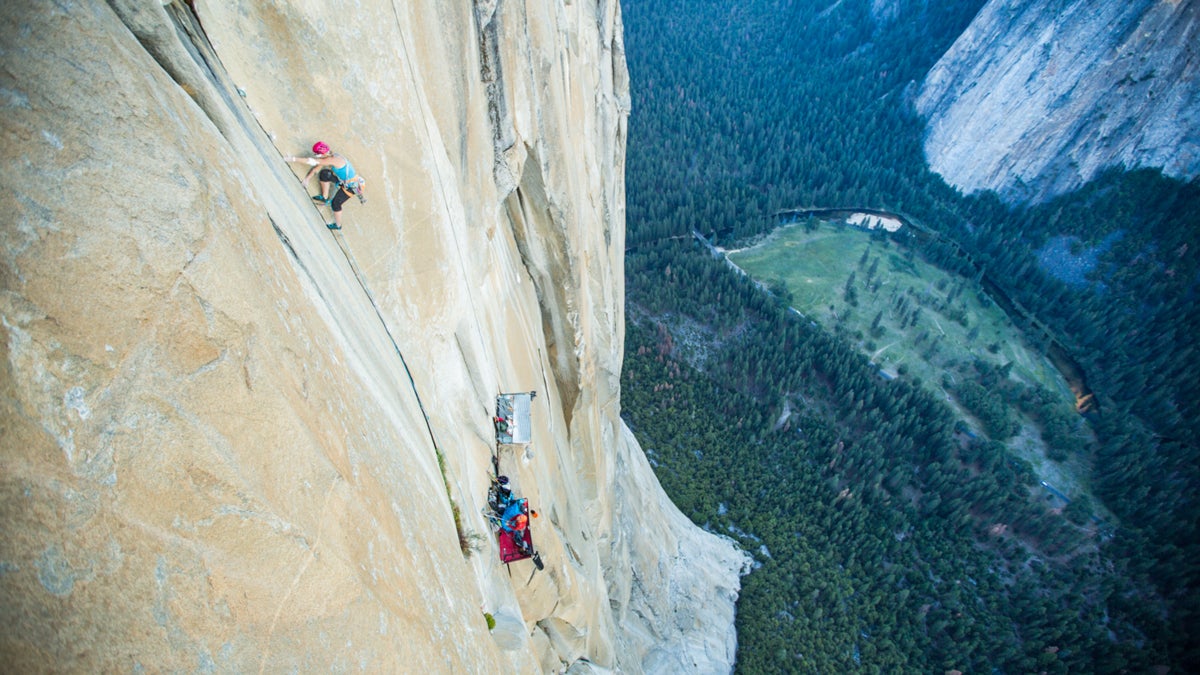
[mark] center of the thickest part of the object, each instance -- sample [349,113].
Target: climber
[500,496]
[522,539]
[513,519]
[334,169]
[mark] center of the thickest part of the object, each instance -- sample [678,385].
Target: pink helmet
[320,147]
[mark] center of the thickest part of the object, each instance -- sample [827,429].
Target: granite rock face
[221,423]
[1037,97]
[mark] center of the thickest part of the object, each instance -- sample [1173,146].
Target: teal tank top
[345,173]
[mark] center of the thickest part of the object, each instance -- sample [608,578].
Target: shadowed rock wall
[1038,96]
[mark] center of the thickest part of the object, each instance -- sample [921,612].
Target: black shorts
[340,195]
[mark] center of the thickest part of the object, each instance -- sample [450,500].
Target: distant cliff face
[220,423]
[1037,96]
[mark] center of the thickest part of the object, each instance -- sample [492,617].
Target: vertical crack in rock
[530,212]
[487,26]
[530,209]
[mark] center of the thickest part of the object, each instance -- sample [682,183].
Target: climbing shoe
[320,200]
[333,226]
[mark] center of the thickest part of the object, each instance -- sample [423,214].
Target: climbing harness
[354,187]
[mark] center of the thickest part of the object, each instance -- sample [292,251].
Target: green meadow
[955,323]
[911,318]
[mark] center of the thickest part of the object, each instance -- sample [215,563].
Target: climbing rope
[362,282]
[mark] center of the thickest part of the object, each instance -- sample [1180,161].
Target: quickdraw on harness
[354,187]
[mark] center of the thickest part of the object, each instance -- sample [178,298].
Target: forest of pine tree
[886,539]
